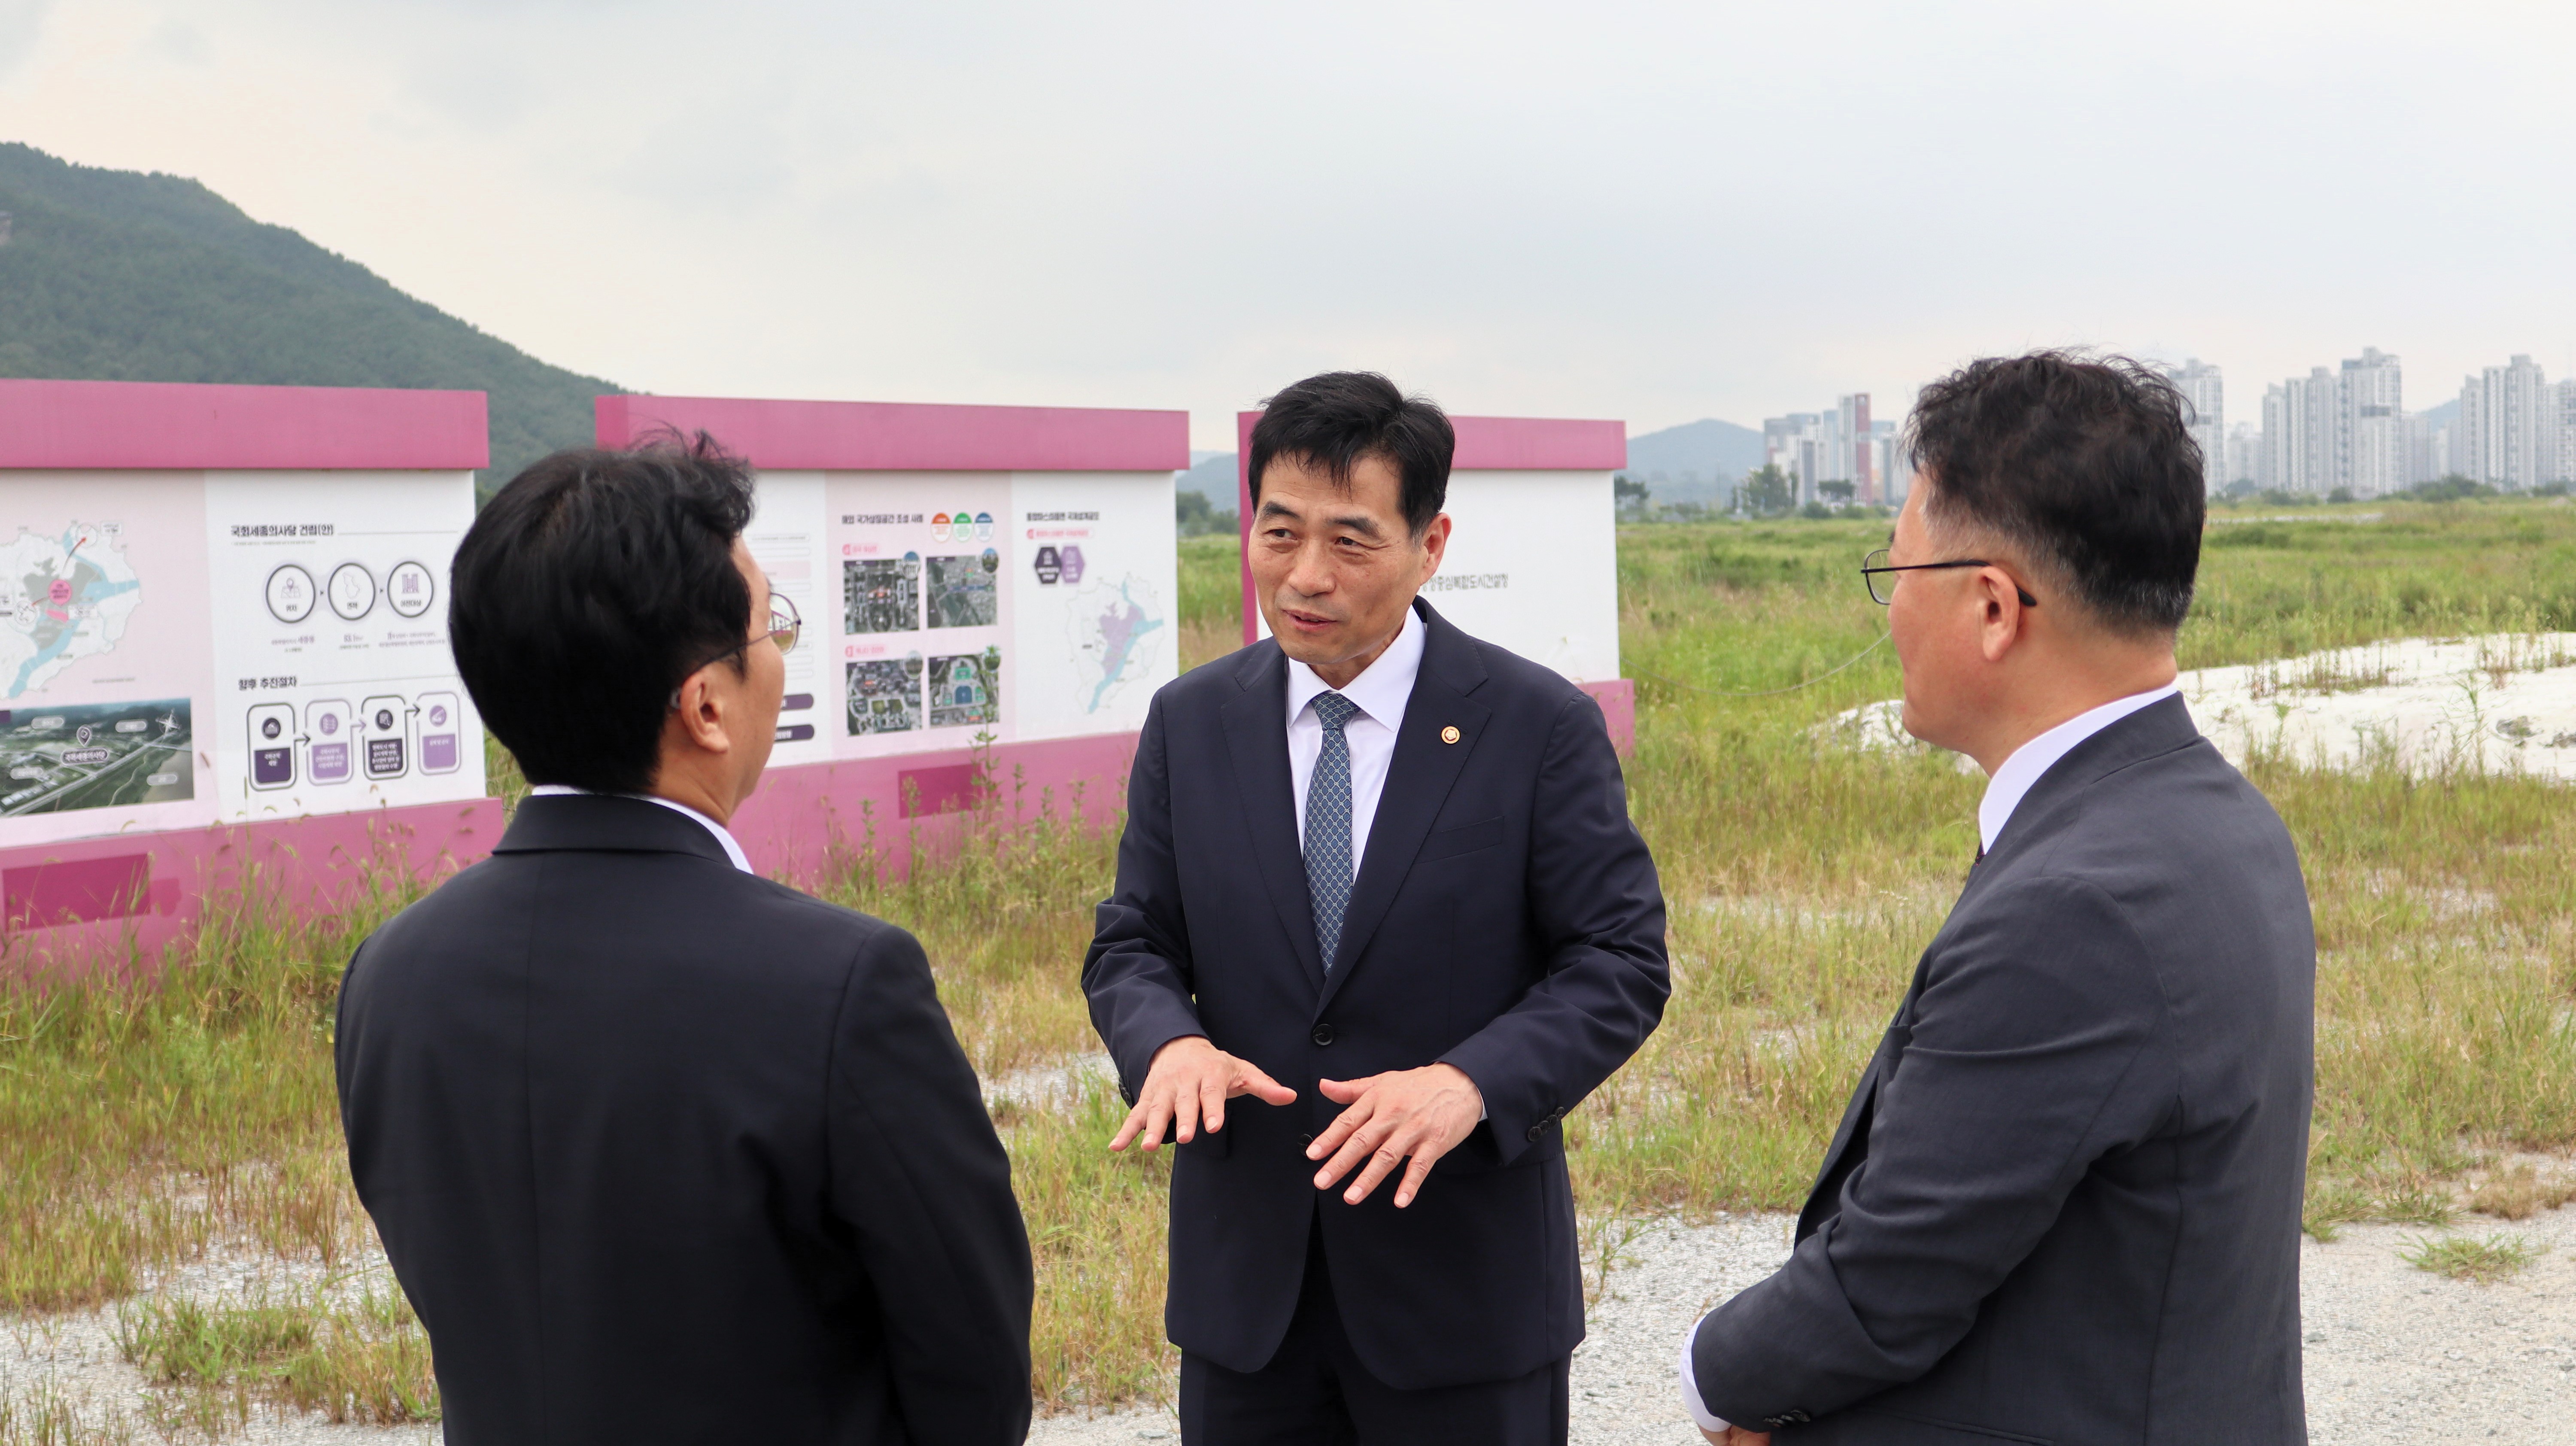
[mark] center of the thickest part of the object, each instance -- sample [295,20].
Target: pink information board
[990,598]
[223,660]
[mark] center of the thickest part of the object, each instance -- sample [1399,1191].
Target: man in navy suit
[1379,876]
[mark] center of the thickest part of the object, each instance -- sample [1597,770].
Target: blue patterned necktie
[1328,825]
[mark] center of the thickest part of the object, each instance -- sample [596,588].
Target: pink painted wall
[184,426]
[94,903]
[817,819]
[910,436]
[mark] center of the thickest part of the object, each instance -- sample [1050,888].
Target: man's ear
[1435,544]
[700,716]
[2002,621]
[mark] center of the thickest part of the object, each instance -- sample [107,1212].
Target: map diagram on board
[1112,624]
[67,597]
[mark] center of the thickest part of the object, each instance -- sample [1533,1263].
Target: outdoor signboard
[987,592]
[1533,560]
[223,626]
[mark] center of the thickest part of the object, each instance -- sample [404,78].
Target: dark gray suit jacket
[2064,1203]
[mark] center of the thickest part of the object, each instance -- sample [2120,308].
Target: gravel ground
[73,1358]
[2393,1354]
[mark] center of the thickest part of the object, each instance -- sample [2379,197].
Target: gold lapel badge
[1449,734]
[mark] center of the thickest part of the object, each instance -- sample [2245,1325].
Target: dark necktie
[1328,825]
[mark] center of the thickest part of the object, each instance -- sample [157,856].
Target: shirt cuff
[1690,1387]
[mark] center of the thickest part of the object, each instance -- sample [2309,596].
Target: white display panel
[183,648]
[335,688]
[1533,566]
[946,608]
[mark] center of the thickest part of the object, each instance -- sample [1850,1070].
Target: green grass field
[144,1126]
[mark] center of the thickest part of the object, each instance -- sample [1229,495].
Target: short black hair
[2085,463]
[1333,420]
[587,590]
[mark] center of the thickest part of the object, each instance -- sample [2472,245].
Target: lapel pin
[1449,734]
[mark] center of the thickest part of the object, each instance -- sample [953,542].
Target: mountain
[1695,462]
[1212,475]
[122,276]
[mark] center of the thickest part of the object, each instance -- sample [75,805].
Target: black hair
[1333,420]
[587,590]
[2086,464]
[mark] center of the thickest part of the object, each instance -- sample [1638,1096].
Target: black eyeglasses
[785,626]
[1874,566]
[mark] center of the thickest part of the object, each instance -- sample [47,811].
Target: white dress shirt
[732,850]
[1380,692]
[2004,793]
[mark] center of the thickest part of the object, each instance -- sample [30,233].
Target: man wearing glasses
[2064,1202]
[661,1150]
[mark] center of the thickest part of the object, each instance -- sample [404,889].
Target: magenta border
[191,426]
[910,436]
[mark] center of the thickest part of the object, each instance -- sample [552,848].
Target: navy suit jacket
[664,1151]
[1506,919]
[2063,1205]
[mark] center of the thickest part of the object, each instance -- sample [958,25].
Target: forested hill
[122,276]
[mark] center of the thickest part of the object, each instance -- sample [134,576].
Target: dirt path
[2394,1354]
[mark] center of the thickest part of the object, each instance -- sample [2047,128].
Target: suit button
[1537,1130]
[1305,1139]
[1323,1034]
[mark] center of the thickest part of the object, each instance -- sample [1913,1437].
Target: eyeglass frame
[785,637]
[1869,576]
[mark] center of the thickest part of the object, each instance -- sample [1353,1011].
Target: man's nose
[1313,574]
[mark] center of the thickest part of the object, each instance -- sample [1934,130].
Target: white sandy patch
[2502,703]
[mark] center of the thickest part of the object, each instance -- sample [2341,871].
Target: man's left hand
[1737,1436]
[1416,1114]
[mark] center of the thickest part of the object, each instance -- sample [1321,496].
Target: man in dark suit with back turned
[2064,1203]
[1380,877]
[663,1151]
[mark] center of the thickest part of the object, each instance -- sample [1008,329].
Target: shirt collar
[1382,688]
[732,850]
[2032,760]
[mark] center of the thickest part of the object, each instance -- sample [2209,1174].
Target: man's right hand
[1187,1085]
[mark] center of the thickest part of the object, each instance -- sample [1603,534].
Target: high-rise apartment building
[2564,468]
[1851,437]
[2507,432]
[2298,434]
[2337,429]
[2243,457]
[1893,462]
[2370,436]
[2204,396]
[1843,446]
[1792,444]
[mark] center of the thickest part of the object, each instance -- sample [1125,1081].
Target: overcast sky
[1651,212]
